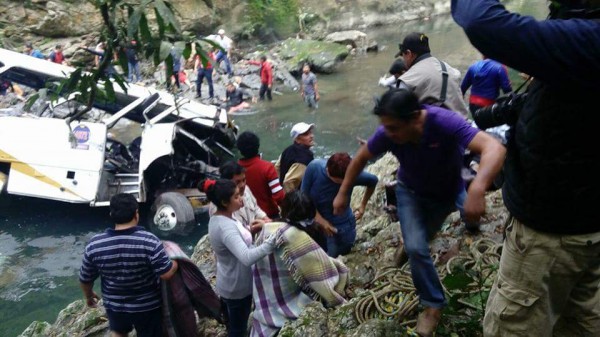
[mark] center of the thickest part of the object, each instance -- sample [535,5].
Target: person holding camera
[549,272]
[429,143]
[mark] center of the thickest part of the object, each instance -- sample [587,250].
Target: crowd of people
[274,227]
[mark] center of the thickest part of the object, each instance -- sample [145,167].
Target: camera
[504,111]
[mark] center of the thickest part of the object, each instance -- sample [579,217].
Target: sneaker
[427,321]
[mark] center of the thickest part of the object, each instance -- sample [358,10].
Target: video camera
[504,111]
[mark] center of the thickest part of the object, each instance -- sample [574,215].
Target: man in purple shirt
[429,143]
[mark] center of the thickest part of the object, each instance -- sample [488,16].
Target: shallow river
[41,242]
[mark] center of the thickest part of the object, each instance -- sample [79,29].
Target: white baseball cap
[221,31]
[300,128]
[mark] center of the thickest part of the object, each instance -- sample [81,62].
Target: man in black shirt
[235,98]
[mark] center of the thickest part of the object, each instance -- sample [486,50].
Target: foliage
[152,23]
[279,16]
[468,290]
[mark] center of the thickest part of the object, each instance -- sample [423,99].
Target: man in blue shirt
[429,142]
[549,272]
[129,261]
[485,78]
[133,62]
[33,52]
[322,181]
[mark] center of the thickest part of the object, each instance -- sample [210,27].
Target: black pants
[264,88]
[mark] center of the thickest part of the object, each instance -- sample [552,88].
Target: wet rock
[324,57]
[36,329]
[75,320]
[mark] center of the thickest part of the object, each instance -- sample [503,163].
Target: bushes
[272,17]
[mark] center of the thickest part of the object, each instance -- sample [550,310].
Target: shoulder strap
[444,82]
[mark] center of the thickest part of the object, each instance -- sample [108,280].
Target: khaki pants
[547,285]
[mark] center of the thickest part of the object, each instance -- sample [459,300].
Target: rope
[391,295]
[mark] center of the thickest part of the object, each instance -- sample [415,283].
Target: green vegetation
[468,286]
[278,17]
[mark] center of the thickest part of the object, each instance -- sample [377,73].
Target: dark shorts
[146,324]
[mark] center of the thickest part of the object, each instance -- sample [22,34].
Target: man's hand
[474,206]
[340,203]
[359,212]
[327,228]
[92,300]
[317,97]
[270,86]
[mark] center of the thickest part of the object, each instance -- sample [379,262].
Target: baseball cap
[416,42]
[221,31]
[300,128]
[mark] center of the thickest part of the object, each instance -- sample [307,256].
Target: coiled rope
[391,295]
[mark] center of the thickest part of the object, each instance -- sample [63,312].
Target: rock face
[376,242]
[316,18]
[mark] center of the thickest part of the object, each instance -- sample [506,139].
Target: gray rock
[324,57]
[354,38]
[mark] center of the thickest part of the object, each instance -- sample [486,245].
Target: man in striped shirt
[261,175]
[129,261]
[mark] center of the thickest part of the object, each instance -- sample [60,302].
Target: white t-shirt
[224,42]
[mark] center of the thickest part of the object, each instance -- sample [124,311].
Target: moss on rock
[323,56]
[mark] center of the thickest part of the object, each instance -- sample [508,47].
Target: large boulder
[355,38]
[324,57]
[62,19]
[195,16]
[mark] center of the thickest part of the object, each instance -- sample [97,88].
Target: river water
[41,242]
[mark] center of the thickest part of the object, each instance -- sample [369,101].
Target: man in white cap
[223,55]
[294,159]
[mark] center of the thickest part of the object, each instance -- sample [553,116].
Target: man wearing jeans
[321,182]
[133,63]
[224,53]
[429,143]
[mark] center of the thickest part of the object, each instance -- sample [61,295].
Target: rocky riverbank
[371,277]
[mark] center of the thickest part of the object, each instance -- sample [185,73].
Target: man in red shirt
[57,55]
[266,77]
[261,175]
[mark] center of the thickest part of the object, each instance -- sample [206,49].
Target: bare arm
[356,166]
[91,298]
[492,158]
